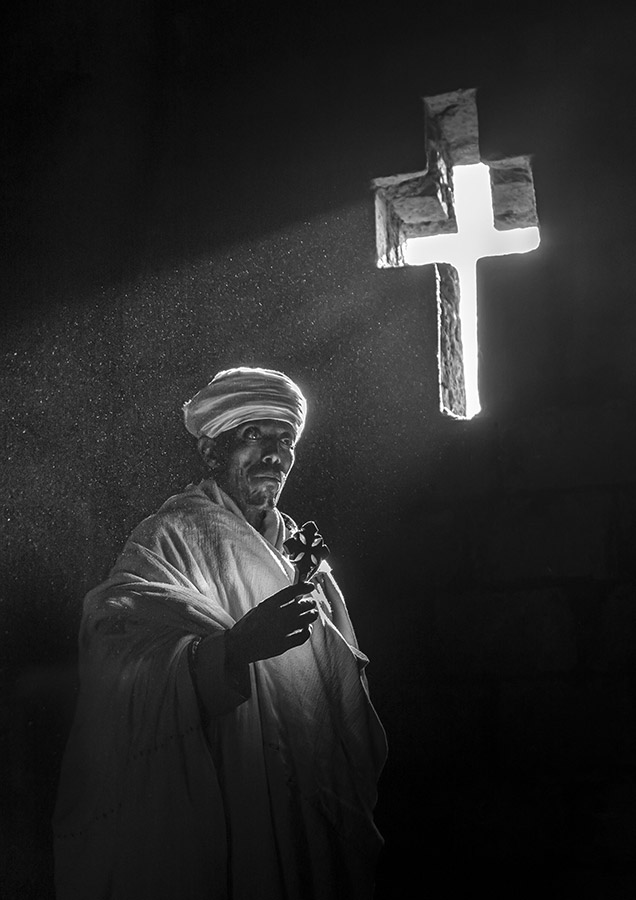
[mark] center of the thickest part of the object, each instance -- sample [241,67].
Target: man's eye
[287,442]
[251,434]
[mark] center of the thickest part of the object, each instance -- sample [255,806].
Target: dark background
[186,187]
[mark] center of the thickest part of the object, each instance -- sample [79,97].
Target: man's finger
[288,594]
[294,615]
[308,615]
[298,637]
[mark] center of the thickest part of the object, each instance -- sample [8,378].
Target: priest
[224,745]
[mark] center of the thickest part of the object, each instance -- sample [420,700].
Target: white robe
[269,793]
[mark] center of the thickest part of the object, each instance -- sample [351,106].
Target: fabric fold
[272,797]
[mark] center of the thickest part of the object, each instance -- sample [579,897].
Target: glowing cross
[449,214]
[475,238]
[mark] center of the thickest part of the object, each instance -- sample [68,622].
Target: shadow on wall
[37,710]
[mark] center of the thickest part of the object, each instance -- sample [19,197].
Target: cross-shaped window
[453,213]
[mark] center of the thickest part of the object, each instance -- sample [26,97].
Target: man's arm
[220,683]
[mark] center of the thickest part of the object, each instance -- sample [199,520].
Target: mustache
[268,471]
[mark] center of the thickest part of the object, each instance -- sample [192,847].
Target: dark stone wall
[515,718]
[187,188]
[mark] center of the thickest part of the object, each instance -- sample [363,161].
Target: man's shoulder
[176,511]
[191,498]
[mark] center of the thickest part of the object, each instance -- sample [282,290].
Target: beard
[248,490]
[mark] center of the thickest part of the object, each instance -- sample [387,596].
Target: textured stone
[613,644]
[434,539]
[452,387]
[572,726]
[442,725]
[586,445]
[519,633]
[498,821]
[410,205]
[466,463]
[416,199]
[452,126]
[512,187]
[624,534]
[542,536]
[616,820]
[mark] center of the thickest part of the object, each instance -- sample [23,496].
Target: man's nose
[271,451]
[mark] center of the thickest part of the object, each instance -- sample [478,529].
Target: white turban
[240,395]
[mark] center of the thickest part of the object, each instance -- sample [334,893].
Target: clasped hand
[277,624]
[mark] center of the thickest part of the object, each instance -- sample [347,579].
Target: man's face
[259,458]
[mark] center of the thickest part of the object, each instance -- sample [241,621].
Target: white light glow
[475,238]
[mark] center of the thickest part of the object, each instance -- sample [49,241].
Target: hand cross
[306,550]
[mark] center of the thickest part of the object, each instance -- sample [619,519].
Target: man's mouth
[268,476]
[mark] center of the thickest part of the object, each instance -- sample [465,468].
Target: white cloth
[273,797]
[244,394]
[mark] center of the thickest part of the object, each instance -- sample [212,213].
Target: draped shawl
[270,796]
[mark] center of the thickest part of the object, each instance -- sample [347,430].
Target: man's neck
[256,517]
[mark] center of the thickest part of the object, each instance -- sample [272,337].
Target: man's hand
[282,621]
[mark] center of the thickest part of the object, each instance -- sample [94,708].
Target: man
[224,744]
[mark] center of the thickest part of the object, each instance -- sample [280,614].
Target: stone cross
[456,211]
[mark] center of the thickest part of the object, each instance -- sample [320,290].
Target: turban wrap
[240,395]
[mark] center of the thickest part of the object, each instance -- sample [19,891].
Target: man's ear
[207,450]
